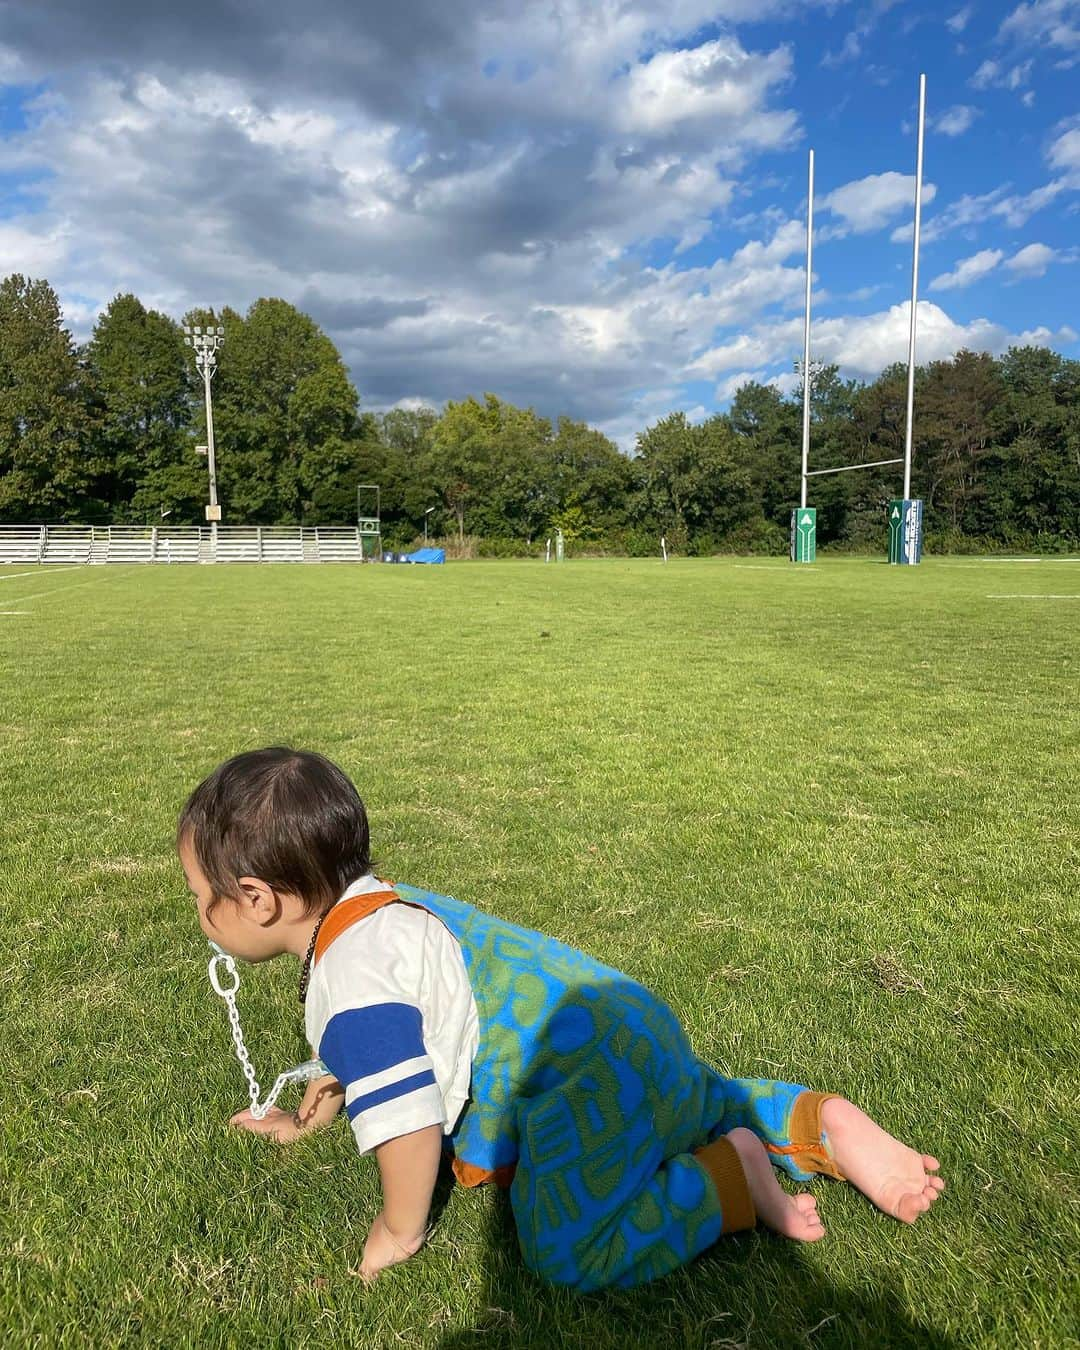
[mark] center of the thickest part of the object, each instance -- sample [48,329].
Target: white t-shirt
[391,1013]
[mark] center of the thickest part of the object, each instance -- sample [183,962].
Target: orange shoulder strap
[346,913]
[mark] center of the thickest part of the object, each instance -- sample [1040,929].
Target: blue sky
[592,207]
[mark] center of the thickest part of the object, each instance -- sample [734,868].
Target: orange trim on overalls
[347,912]
[809,1147]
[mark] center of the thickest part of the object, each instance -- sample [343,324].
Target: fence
[75,544]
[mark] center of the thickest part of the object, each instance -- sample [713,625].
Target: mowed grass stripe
[831,818]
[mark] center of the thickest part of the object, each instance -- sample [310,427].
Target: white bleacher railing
[74,544]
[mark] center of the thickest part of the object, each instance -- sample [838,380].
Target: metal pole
[211,464]
[847,468]
[914,290]
[806,333]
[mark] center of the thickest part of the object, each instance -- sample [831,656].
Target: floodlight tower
[206,343]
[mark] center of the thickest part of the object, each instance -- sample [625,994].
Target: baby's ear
[260,899]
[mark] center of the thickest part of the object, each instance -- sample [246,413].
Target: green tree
[768,430]
[485,461]
[144,385]
[693,488]
[285,417]
[47,464]
[954,424]
[589,475]
[1032,472]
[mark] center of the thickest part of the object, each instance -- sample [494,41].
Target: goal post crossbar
[846,468]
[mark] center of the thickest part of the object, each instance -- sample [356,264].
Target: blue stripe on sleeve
[363,1041]
[385,1094]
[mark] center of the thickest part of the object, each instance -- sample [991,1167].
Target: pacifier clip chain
[302,1073]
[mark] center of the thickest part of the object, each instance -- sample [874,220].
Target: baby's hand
[384,1248]
[282,1126]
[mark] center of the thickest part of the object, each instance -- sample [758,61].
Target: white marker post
[663,547]
[905,542]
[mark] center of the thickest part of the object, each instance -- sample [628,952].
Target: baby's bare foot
[795,1216]
[893,1176]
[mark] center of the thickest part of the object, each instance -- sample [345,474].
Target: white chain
[302,1073]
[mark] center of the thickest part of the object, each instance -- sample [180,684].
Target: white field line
[59,590]
[12,576]
[1033,597]
[14,611]
[763,567]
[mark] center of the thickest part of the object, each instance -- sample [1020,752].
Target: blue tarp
[428,555]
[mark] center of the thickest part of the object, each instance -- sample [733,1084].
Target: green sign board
[905,530]
[804,535]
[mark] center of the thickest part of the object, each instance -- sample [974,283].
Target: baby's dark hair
[289,817]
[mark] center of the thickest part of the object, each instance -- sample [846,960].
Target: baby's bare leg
[896,1178]
[795,1216]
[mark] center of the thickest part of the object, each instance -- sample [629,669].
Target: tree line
[105,433]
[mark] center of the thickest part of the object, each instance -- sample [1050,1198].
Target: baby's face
[229,925]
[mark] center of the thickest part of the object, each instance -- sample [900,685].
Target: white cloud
[1045,337]
[1034,259]
[28,249]
[956,120]
[870,203]
[986,75]
[717,87]
[968,270]
[747,349]
[994,75]
[864,292]
[1050,23]
[464,235]
[1018,210]
[862,346]
[866,21]
[727,389]
[850,50]
[464,214]
[957,22]
[971,211]
[786,383]
[1064,153]
[1031,261]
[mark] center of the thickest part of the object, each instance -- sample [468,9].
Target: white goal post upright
[914,289]
[806,331]
[906,513]
[804,520]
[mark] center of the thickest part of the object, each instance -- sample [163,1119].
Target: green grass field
[829,813]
